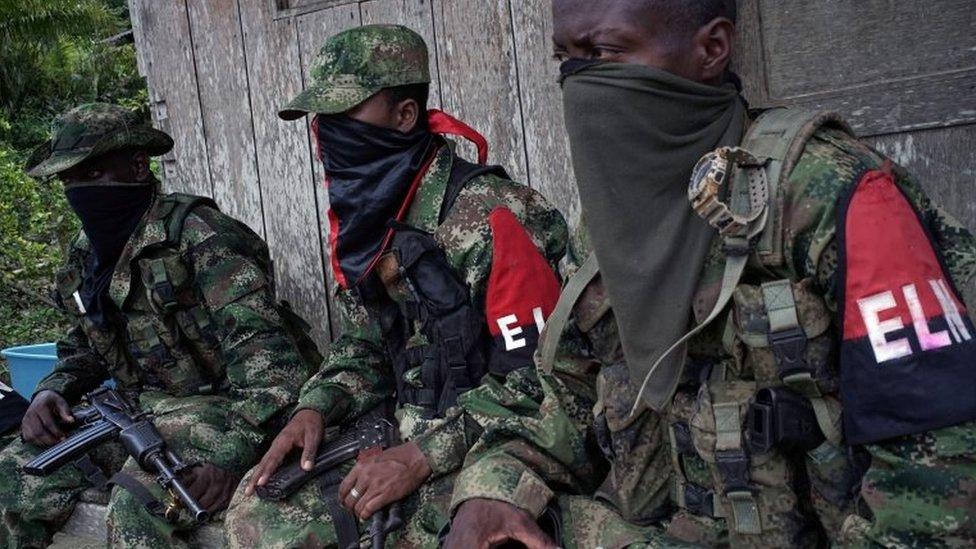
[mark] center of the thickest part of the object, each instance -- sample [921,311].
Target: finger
[272,460]
[211,497]
[361,488]
[371,503]
[530,535]
[347,483]
[50,425]
[311,447]
[65,411]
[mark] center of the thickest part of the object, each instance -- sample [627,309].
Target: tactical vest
[435,337]
[163,337]
[738,441]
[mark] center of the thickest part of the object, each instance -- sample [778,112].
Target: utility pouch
[779,418]
[167,280]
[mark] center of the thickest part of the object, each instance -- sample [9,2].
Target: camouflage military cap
[90,130]
[355,64]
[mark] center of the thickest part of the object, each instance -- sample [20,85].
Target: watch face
[699,174]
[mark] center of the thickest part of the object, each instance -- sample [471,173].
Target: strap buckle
[699,500]
[734,468]
[789,348]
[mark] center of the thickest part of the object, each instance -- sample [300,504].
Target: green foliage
[53,55]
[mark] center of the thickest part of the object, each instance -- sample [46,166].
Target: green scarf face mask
[636,133]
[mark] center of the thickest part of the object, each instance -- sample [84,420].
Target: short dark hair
[687,16]
[418,92]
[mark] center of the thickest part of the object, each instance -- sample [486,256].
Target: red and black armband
[908,357]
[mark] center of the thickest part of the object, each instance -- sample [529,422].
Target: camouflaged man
[816,398]
[446,273]
[174,302]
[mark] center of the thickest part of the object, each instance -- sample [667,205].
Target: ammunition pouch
[779,418]
[432,326]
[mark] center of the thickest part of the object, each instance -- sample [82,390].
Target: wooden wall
[904,72]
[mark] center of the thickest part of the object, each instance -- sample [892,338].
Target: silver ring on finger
[355,494]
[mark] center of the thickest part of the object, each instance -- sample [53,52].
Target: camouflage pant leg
[921,490]
[303,520]
[588,523]
[33,508]
[191,427]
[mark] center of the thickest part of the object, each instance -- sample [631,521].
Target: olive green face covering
[636,133]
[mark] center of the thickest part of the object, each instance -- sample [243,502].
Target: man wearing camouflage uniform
[446,274]
[174,302]
[826,278]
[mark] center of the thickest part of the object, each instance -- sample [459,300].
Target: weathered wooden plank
[417,15]
[747,60]
[476,56]
[942,162]
[222,79]
[313,30]
[165,53]
[888,66]
[288,193]
[549,167]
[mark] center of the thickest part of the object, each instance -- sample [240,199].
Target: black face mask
[370,171]
[109,215]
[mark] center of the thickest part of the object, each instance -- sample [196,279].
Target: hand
[211,486]
[484,523]
[384,479]
[44,421]
[303,431]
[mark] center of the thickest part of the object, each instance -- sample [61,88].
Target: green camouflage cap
[355,64]
[90,130]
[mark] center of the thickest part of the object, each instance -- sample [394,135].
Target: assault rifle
[369,436]
[109,416]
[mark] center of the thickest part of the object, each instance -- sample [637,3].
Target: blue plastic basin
[29,364]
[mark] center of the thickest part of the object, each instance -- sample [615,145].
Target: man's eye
[93,174]
[560,56]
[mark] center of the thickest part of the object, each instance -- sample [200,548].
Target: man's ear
[407,115]
[140,166]
[714,43]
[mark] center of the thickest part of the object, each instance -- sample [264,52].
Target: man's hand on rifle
[211,486]
[384,479]
[303,431]
[45,419]
[484,523]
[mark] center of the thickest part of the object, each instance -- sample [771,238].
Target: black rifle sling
[346,525]
[140,492]
[92,472]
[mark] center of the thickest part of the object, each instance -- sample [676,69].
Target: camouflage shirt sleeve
[538,433]
[78,371]
[356,376]
[470,238]
[261,360]
[831,163]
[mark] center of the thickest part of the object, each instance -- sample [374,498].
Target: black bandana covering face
[109,214]
[370,171]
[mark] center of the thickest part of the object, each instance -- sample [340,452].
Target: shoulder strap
[182,205]
[779,137]
[756,172]
[556,325]
[463,172]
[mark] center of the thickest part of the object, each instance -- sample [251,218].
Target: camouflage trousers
[585,523]
[303,520]
[33,508]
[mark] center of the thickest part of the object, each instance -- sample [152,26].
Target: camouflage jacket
[531,448]
[358,373]
[197,317]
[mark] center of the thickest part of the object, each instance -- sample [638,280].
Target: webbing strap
[142,495]
[734,467]
[735,265]
[783,319]
[345,523]
[92,472]
[553,331]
